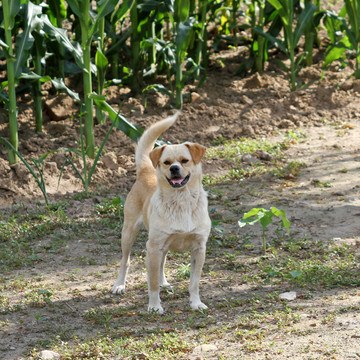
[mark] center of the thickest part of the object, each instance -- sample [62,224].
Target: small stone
[48,355]
[195,97]
[205,348]
[245,100]
[290,296]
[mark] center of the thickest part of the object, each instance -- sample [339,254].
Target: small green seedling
[264,217]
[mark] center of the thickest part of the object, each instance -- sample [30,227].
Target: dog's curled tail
[148,139]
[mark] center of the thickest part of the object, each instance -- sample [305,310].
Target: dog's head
[177,165]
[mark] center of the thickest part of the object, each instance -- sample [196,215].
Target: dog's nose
[174,169]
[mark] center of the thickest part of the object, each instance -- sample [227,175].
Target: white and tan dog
[168,198]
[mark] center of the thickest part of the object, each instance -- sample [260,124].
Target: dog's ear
[155,155]
[197,151]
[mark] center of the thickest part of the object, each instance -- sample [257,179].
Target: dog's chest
[180,213]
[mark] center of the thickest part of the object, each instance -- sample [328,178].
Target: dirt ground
[322,202]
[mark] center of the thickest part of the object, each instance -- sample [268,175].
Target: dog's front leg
[154,259]
[197,262]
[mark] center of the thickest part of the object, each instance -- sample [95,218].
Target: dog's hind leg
[128,236]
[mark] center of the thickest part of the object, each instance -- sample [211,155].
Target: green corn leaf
[4,45]
[277,42]
[183,36]
[161,89]
[61,36]
[334,54]
[353,12]
[25,40]
[282,9]
[30,75]
[304,18]
[100,60]
[133,131]
[182,9]
[57,10]
[104,7]
[60,85]
[14,8]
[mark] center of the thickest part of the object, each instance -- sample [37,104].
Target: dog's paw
[198,306]
[158,309]
[118,289]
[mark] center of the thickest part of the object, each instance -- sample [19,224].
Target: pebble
[205,348]
[290,296]
[48,355]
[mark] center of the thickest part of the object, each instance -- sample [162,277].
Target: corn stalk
[81,9]
[10,10]
[184,29]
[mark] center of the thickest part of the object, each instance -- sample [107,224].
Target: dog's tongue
[177,181]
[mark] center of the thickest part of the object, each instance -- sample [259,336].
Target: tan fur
[169,200]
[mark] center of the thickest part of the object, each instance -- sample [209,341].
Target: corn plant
[10,10]
[285,10]
[31,41]
[349,40]
[184,29]
[81,9]
[311,32]
[86,176]
[119,121]
[201,32]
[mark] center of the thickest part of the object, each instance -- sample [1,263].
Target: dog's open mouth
[178,182]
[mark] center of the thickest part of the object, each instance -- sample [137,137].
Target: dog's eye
[184,161]
[167,162]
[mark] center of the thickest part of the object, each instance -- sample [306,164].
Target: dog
[168,198]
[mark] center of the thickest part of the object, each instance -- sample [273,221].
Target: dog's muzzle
[178,182]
